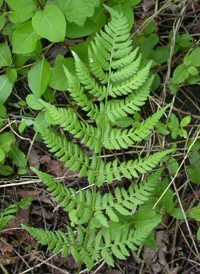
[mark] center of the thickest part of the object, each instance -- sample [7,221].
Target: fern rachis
[114,64]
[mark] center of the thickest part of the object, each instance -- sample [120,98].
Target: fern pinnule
[131,84]
[115,138]
[127,71]
[125,61]
[69,121]
[117,109]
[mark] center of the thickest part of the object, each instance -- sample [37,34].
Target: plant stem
[40,5]
[67,48]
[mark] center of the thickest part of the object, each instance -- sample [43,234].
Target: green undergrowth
[109,78]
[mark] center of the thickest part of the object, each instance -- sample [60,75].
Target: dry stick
[172,182]
[146,23]
[177,170]
[177,24]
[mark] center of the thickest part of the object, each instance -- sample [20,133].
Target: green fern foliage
[119,85]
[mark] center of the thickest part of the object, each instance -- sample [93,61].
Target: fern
[117,72]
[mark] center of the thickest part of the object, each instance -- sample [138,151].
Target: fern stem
[98,163]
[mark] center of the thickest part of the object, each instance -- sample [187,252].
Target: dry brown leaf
[42,213]
[23,193]
[57,168]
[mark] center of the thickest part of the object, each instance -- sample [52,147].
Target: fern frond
[126,201]
[116,138]
[57,241]
[87,80]
[81,98]
[68,152]
[119,108]
[69,121]
[131,84]
[96,68]
[68,197]
[121,241]
[131,168]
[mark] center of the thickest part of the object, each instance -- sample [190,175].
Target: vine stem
[67,48]
[40,5]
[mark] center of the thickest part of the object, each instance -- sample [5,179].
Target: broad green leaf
[6,170]
[198,234]
[195,213]
[3,111]
[173,165]
[142,218]
[77,11]
[151,27]
[172,87]
[180,74]
[195,55]
[187,60]
[11,74]
[5,88]
[185,121]
[127,11]
[50,23]
[193,71]
[191,80]
[1,3]
[24,39]
[22,6]
[9,29]
[177,213]
[2,155]
[40,119]
[5,55]
[2,20]
[5,141]
[18,17]
[48,96]
[17,156]
[22,126]
[92,24]
[23,72]
[160,55]
[58,78]
[19,59]
[22,171]
[129,2]
[167,200]
[33,102]
[174,123]
[194,171]
[161,128]
[185,40]
[156,82]
[38,77]
[81,50]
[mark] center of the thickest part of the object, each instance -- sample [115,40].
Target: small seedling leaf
[50,23]
[180,74]
[5,55]
[38,77]
[17,156]
[24,39]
